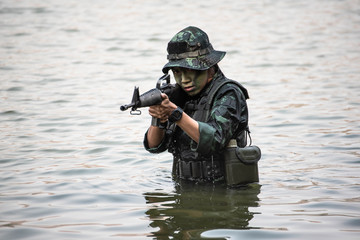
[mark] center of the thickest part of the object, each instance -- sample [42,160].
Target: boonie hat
[191,48]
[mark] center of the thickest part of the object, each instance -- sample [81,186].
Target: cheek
[198,84]
[177,79]
[201,80]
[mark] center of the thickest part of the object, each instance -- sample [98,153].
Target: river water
[72,166]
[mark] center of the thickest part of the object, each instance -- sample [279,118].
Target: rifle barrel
[126,106]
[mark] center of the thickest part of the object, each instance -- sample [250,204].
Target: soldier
[213,110]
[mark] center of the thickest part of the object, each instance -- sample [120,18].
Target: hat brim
[197,63]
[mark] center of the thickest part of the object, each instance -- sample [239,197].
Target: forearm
[155,136]
[163,111]
[189,126]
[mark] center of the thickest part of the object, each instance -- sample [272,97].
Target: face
[192,81]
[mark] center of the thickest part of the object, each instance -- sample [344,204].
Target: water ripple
[73,166]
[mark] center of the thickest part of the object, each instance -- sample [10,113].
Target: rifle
[153,97]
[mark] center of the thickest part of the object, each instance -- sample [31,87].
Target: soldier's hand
[163,110]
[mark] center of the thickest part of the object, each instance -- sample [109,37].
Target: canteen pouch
[241,165]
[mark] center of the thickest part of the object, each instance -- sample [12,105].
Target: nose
[185,77]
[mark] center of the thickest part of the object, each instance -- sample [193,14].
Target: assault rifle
[151,97]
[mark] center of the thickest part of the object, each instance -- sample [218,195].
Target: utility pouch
[241,164]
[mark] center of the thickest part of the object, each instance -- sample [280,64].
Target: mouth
[189,88]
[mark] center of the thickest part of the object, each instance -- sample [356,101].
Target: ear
[210,72]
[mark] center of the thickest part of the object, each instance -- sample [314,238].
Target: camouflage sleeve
[229,115]
[162,146]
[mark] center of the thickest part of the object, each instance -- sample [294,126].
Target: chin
[192,94]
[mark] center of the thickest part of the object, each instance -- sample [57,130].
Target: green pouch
[241,165]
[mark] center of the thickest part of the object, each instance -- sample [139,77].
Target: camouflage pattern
[228,117]
[191,48]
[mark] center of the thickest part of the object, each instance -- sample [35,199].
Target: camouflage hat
[190,48]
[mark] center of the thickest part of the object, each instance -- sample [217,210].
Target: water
[72,166]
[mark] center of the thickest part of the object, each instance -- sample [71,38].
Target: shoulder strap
[213,92]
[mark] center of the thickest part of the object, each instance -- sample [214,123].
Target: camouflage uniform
[226,119]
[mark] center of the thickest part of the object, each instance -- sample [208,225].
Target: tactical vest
[203,108]
[199,110]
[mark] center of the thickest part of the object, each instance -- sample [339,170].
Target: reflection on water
[72,166]
[193,209]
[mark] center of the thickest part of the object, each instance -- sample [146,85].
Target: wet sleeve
[163,146]
[228,115]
